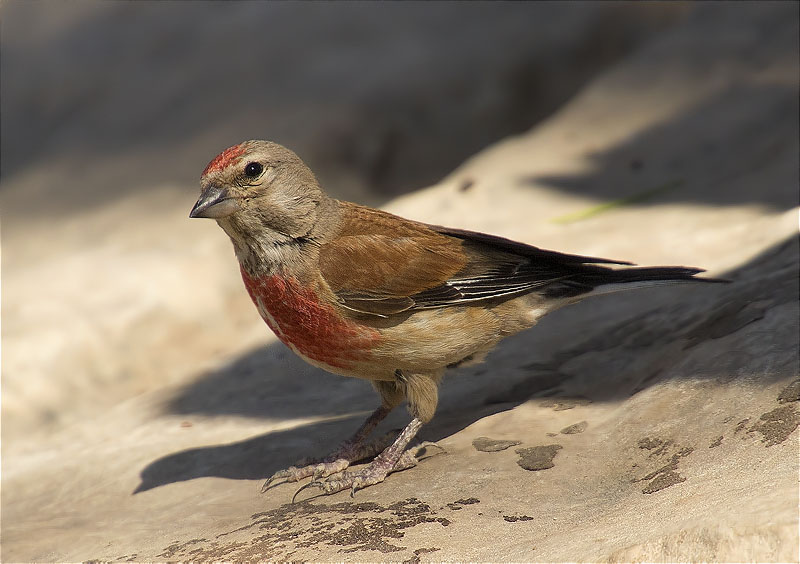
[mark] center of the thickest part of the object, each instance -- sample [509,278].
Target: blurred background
[657,132]
[381,98]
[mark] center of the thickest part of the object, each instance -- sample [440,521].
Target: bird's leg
[421,390]
[351,450]
[394,458]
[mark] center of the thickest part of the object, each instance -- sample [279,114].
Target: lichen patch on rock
[775,426]
[485,444]
[538,457]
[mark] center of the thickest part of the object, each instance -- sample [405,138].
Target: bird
[363,293]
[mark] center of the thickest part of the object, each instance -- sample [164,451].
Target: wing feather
[380,264]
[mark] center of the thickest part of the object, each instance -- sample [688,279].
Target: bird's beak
[215,203]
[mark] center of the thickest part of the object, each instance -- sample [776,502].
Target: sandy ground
[144,402]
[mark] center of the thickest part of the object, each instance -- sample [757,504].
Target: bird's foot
[373,473]
[297,473]
[336,462]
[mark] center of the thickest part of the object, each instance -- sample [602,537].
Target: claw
[358,484]
[287,473]
[314,483]
[420,448]
[266,487]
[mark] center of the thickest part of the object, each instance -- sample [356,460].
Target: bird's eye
[252,170]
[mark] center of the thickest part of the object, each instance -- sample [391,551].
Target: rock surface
[659,424]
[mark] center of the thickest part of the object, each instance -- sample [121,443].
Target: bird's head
[259,188]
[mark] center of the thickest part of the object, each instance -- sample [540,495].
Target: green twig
[632,199]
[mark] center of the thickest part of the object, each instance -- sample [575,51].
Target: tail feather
[602,280]
[665,273]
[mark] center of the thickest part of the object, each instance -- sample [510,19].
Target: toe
[406,461]
[328,468]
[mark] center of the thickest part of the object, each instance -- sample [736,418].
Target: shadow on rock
[683,157]
[272,383]
[252,459]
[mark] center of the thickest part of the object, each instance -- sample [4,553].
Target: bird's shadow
[271,383]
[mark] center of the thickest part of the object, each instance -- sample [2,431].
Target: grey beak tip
[198,209]
[214,203]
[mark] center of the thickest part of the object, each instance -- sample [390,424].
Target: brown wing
[381,264]
[379,261]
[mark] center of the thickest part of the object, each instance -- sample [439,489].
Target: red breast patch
[304,323]
[226,157]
